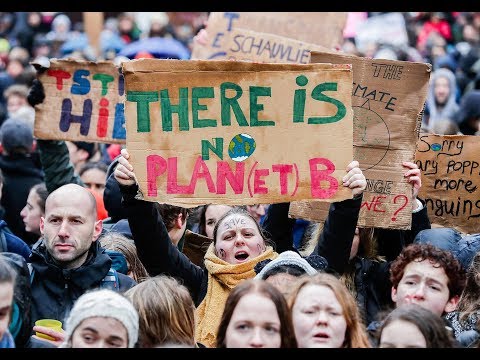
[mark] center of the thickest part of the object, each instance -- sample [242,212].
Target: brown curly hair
[441,258]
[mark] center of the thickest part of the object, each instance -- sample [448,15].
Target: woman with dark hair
[34,209]
[413,326]
[256,315]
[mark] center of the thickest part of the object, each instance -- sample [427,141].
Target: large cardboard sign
[83,102]
[450,169]
[247,45]
[387,100]
[319,28]
[232,132]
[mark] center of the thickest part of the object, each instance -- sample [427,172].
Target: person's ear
[394,294]
[179,221]
[452,304]
[42,224]
[97,230]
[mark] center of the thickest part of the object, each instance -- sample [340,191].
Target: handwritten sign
[319,28]
[247,45]
[83,102]
[387,99]
[232,132]
[450,169]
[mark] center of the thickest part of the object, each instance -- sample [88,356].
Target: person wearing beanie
[289,265]
[101,319]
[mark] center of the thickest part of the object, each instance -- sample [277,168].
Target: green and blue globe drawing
[241,147]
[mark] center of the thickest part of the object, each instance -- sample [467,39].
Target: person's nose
[322,318]
[23,213]
[256,340]
[419,291]
[239,240]
[63,230]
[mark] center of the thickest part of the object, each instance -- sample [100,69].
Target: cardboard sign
[450,169]
[232,132]
[83,102]
[387,29]
[247,45]
[319,28]
[387,100]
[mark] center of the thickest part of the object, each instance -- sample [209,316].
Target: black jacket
[336,238]
[54,290]
[155,249]
[20,173]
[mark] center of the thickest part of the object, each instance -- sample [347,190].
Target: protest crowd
[99,250]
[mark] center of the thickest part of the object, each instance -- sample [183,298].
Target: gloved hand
[36,93]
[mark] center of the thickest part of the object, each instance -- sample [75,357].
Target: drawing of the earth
[371,137]
[241,147]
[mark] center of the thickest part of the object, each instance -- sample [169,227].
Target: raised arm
[54,154]
[154,247]
[335,241]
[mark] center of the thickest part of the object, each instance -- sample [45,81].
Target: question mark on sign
[394,217]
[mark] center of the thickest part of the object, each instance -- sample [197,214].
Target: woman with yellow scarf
[238,245]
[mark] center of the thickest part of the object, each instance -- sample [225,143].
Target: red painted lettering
[258,182]
[235,180]
[102,124]
[201,171]
[156,166]
[284,170]
[60,75]
[318,176]
[172,186]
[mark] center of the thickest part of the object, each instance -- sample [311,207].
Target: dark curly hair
[441,258]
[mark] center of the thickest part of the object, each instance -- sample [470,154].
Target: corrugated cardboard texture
[450,169]
[83,102]
[319,28]
[387,99]
[294,144]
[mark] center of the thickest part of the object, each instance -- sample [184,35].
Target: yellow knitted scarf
[222,277]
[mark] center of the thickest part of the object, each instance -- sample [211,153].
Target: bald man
[68,260]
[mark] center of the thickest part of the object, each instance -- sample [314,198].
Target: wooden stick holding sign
[231,132]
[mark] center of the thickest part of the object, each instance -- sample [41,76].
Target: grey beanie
[103,303]
[287,258]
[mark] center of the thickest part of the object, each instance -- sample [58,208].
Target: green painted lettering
[181,109]
[197,93]
[299,99]
[317,95]
[217,149]
[104,79]
[231,104]
[255,108]
[142,98]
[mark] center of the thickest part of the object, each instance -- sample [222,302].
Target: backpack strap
[110,281]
